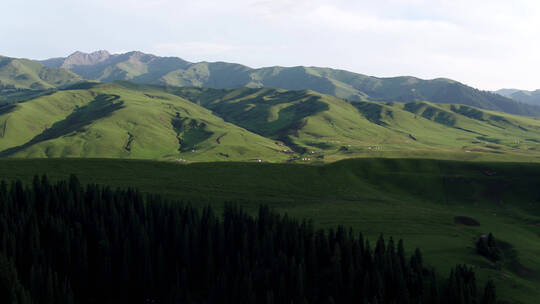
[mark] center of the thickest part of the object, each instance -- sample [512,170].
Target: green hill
[150,69]
[126,120]
[425,202]
[29,74]
[113,121]
[328,127]
[23,79]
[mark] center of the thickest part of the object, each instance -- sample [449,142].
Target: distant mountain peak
[506,92]
[138,53]
[81,58]
[95,53]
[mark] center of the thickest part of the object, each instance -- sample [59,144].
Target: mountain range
[529,97]
[150,69]
[142,68]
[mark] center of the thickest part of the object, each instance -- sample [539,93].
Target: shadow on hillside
[102,106]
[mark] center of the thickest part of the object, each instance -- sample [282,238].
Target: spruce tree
[64,242]
[489,296]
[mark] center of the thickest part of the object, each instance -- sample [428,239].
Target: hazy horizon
[489,45]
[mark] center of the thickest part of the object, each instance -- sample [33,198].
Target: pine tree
[489,296]
[64,242]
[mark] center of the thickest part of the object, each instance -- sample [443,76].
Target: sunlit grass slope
[334,128]
[29,74]
[126,120]
[113,121]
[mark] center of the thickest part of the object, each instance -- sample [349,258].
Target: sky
[486,44]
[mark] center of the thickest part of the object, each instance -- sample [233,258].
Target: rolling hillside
[112,121]
[332,128]
[126,120]
[23,79]
[29,74]
[150,69]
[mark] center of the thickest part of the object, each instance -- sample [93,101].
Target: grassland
[115,122]
[406,198]
[386,189]
[325,127]
[356,162]
[125,120]
[29,74]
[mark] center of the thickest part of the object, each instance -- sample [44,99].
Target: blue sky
[486,44]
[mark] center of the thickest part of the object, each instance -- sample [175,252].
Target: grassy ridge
[413,199]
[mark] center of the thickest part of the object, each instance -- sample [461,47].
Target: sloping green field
[29,74]
[331,129]
[416,200]
[124,120]
[112,121]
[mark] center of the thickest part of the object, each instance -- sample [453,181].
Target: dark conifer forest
[64,242]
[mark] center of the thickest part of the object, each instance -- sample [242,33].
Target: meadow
[126,120]
[414,199]
[419,171]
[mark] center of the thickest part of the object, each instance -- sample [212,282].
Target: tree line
[67,243]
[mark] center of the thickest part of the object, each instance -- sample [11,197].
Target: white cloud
[486,43]
[203,48]
[485,46]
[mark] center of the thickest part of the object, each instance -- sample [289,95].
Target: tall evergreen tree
[68,243]
[489,296]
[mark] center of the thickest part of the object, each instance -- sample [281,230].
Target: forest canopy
[63,242]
